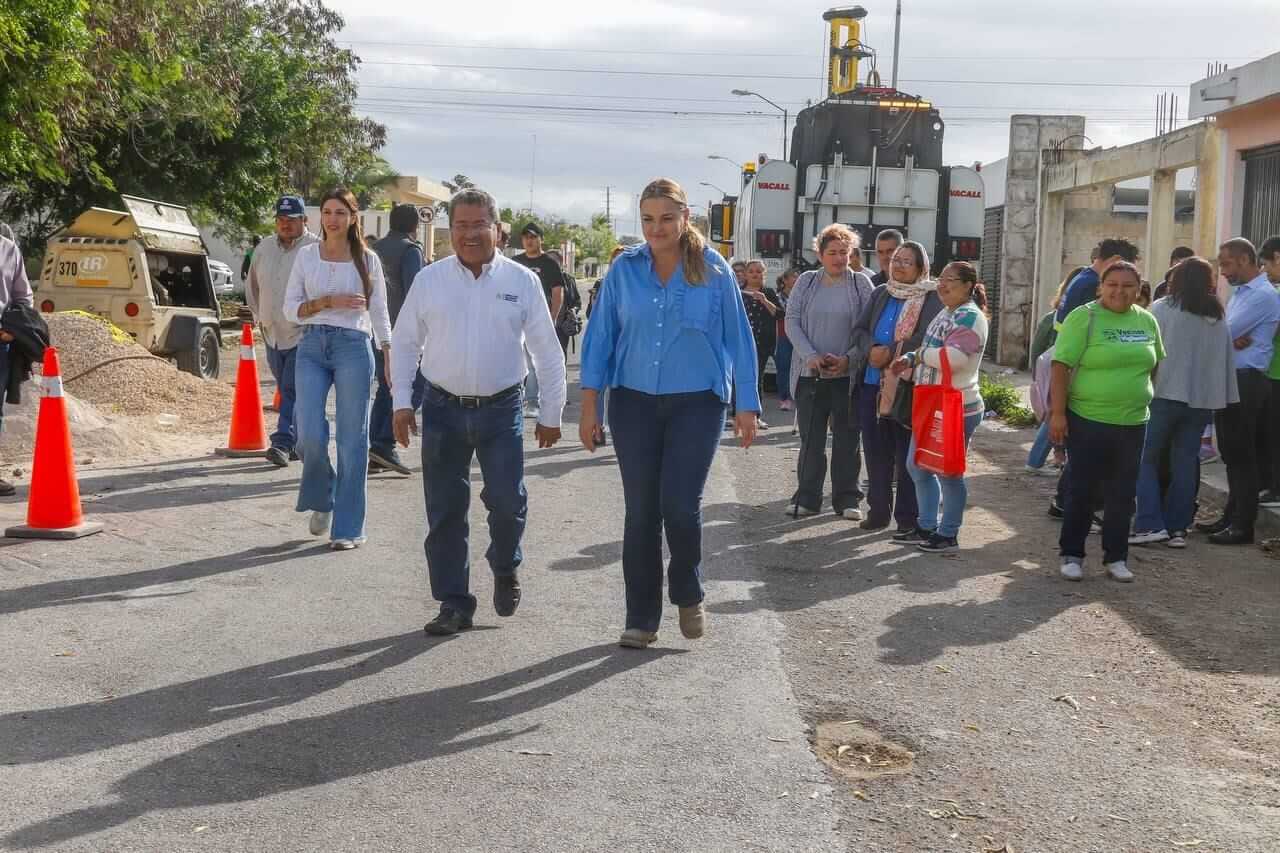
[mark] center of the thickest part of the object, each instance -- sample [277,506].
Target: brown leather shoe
[635,638]
[693,621]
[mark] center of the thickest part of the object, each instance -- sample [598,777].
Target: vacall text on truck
[868,156]
[146,269]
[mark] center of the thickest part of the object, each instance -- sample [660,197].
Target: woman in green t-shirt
[1101,414]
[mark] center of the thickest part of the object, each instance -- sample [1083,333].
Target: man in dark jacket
[15,289]
[402,259]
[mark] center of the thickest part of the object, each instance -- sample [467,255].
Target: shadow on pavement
[111,587]
[351,742]
[51,733]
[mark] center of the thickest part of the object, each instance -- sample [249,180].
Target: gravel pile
[136,388]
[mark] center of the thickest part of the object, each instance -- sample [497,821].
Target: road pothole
[858,753]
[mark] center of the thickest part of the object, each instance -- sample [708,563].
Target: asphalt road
[206,676]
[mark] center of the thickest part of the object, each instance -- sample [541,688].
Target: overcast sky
[468,86]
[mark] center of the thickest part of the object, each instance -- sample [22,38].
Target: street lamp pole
[713,186]
[786,118]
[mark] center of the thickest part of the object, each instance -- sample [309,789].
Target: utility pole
[533,169]
[608,206]
[897,40]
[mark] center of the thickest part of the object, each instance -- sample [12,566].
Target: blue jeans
[1175,428]
[885,443]
[1102,470]
[283,365]
[338,358]
[951,492]
[451,436]
[1039,453]
[381,437]
[782,360]
[665,445]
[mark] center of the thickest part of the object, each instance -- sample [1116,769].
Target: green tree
[217,104]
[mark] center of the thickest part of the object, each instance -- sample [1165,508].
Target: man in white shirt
[268,279]
[476,312]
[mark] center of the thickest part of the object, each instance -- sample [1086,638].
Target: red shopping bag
[937,421]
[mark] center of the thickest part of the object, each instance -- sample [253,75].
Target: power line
[753,76]
[672,99]
[753,53]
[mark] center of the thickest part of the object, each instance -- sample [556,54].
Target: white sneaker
[1177,539]
[320,523]
[800,511]
[1042,471]
[1147,537]
[1071,569]
[1119,571]
[347,544]
[852,514]
[531,413]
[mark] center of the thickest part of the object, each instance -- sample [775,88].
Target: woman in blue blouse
[669,339]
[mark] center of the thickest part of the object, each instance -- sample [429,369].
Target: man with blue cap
[268,280]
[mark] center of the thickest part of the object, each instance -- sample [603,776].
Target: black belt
[474,402]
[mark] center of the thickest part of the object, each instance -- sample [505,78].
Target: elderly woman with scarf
[894,323]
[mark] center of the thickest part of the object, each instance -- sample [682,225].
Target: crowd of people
[677,346]
[1134,392]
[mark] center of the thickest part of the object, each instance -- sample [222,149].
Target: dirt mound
[858,753]
[143,406]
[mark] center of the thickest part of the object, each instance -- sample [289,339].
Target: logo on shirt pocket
[509,297]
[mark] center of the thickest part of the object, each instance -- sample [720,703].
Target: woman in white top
[337,293]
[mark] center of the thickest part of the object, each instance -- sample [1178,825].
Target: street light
[713,186]
[733,163]
[786,119]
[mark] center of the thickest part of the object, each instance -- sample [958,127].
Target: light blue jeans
[950,492]
[341,359]
[1039,453]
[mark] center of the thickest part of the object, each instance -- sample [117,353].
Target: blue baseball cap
[291,206]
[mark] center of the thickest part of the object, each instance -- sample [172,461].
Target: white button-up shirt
[475,332]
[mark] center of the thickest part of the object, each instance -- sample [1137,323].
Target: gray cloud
[434,133]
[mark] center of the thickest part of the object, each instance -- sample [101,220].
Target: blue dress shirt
[882,334]
[1254,312]
[670,339]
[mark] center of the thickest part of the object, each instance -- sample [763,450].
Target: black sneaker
[447,623]
[293,456]
[914,535]
[1269,498]
[506,594]
[873,524]
[7,489]
[938,544]
[1055,511]
[277,457]
[389,461]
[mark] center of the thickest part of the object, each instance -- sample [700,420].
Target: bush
[1002,398]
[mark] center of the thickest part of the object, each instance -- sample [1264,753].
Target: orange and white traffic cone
[53,504]
[275,402]
[248,435]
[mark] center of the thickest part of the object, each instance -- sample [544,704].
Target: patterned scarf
[913,297]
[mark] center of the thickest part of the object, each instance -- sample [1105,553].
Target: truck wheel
[202,359]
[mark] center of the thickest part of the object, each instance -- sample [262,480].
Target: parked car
[223,279]
[144,268]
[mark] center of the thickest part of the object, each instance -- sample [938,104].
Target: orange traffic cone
[275,402]
[53,504]
[248,429]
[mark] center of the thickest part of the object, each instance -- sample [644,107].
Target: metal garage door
[1262,193]
[989,271]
